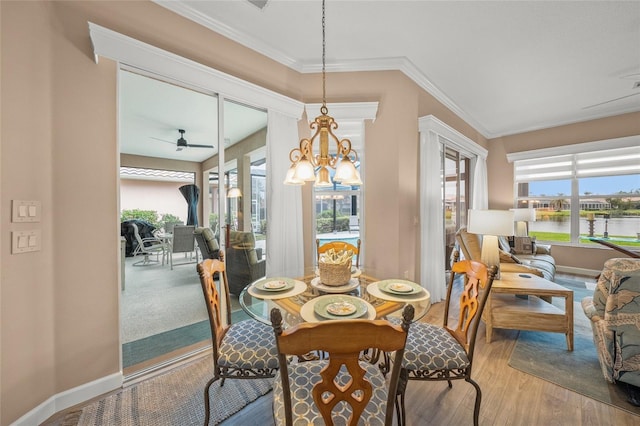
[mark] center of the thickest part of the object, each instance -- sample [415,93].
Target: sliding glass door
[455,186]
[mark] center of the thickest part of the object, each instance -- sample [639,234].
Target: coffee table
[523,302]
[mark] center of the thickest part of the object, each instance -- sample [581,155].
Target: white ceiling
[152,111]
[504,66]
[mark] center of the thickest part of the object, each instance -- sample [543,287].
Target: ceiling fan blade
[191,145]
[611,100]
[162,140]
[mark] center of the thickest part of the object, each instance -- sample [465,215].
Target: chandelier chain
[324,95]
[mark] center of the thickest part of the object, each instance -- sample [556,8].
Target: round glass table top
[296,298]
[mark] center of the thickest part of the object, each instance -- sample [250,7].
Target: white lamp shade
[490,222]
[290,177]
[322,178]
[304,171]
[524,215]
[345,171]
[234,193]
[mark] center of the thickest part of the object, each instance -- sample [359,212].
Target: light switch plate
[26,211]
[26,241]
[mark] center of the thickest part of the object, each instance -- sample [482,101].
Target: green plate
[399,287]
[325,303]
[275,284]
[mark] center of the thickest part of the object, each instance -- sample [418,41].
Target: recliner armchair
[614,311]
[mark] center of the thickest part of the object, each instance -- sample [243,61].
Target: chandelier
[303,161]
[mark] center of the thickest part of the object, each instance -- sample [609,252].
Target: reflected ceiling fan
[182,143]
[635,88]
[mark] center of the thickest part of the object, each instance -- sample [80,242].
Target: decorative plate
[339,307]
[275,284]
[400,287]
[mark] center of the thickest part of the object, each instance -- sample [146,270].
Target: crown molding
[134,53]
[382,64]
[186,11]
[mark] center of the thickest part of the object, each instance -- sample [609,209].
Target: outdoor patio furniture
[244,261]
[147,247]
[183,241]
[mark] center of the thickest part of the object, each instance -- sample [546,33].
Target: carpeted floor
[163,310]
[174,398]
[545,355]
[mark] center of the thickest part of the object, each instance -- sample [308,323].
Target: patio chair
[341,388]
[183,241]
[244,350]
[444,352]
[148,246]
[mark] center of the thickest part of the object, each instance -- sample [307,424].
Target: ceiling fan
[636,88]
[182,143]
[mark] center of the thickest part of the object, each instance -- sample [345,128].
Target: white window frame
[568,168]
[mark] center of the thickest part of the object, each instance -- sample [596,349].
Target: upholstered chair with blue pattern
[342,388]
[614,312]
[244,350]
[445,352]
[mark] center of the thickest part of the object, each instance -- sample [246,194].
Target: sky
[599,185]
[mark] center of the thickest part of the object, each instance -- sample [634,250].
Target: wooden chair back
[344,342]
[478,280]
[218,307]
[337,246]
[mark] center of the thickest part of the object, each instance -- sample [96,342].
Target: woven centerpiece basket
[335,268]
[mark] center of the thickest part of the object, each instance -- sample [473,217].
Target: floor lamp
[490,224]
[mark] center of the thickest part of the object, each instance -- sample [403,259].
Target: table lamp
[490,224]
[522,217]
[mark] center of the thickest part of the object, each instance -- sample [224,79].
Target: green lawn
[561,237]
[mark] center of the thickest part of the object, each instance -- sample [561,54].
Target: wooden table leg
[568,309]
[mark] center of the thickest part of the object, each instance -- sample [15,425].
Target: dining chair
[445,352]
[148,246]
[337,246]
[341,388]
[244,350]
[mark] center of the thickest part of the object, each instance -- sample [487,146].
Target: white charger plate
[298,288]
[351,285]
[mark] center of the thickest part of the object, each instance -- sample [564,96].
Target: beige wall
[59,306]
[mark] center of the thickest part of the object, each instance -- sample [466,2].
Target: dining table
[306,299]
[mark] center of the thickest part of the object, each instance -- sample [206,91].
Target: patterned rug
[173,398]
[545,355]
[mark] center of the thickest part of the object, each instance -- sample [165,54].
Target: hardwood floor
[509,396]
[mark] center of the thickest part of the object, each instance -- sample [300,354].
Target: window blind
[613,162]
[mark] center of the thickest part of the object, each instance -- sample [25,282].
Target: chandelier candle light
[304,162]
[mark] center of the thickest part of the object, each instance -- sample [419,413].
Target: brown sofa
[540,262]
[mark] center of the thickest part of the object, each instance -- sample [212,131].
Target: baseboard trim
[69,398]
[578,271]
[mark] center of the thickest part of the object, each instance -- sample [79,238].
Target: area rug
[545,355]
[174,398]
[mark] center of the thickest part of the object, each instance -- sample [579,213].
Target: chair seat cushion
[302,378]
[249,344]
[431,347]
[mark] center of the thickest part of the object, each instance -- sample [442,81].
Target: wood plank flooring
[509,396]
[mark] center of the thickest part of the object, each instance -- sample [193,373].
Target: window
[338,209]
[593,193]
